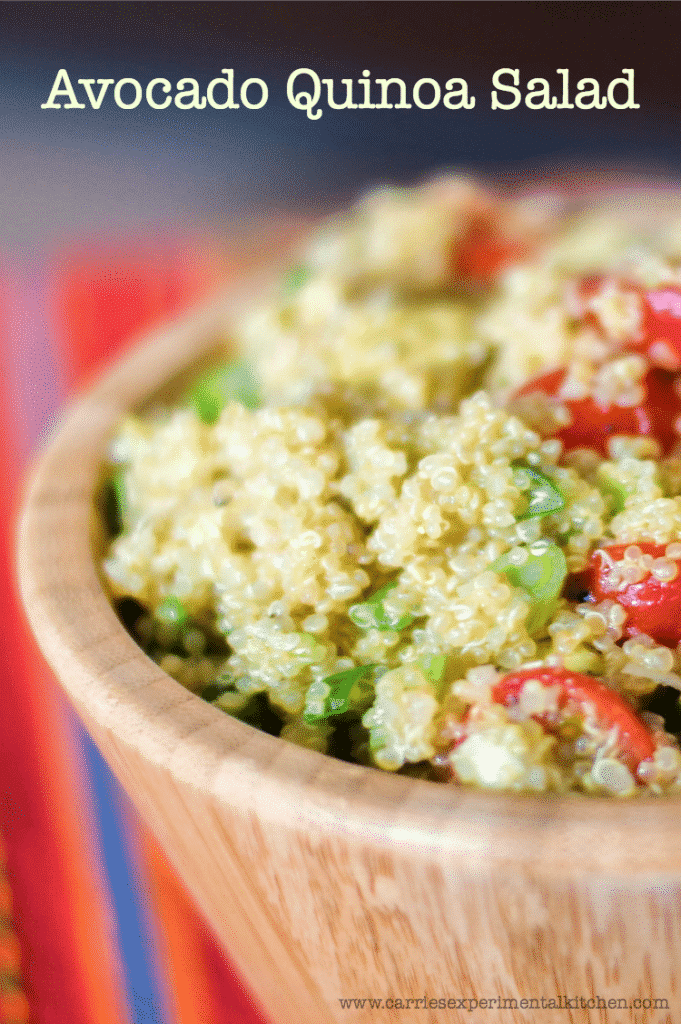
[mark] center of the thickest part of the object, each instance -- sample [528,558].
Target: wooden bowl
[328,881]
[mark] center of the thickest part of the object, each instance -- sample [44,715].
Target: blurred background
[70,170]
[111,220]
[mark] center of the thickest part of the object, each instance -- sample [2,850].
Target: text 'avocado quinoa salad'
[430,519]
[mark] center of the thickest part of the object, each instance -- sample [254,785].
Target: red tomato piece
[593,424]
[662,326]
[636,741]
[659,337]
[482,252]
[584,292]
[653,606]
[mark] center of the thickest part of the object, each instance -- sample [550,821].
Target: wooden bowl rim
[117,688]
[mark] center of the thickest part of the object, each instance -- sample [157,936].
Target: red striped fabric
[68,935]
[203,985]
[13,1002]
[103,302]
[60,909]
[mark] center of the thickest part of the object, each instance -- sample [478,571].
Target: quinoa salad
[426,514]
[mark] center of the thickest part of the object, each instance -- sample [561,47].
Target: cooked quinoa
[430,518]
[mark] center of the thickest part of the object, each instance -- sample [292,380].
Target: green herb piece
[543,498]
[615,492]
[172,612]
[434,666]
[340,686]
[372,614]
[193,639]
[214,690]
[297,277]
[231,382]
[570,728]
[616,496]
[232,702]
[248,707]
[585,661]
[541,576]
[116,507]
[308,649]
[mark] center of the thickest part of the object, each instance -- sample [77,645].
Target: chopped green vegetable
[296,277]
[231,382]
[193,639]
[584,661]
[116,507]
[372,614]
[434,666]
[570,728]
[216,689]
[339,688]
[172,611]
[543,498]
[541,575]
[232,702]
[309,650]
[253,708]
[615,493]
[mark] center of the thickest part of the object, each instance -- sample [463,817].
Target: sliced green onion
[116,507]
[297,277]
[615,492]
[433,666]
[541,576]
[172,611]
[193,639]
[232,701]
[248,707]
[340,686]
[372,614]
[572,727]
[231,382]
[584,661]
[543,498]
[216,689]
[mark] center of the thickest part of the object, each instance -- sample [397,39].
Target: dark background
[64,170]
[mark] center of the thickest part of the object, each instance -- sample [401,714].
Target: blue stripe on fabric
[136,939]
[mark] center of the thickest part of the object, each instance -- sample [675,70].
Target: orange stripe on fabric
[205,987]
[62,919]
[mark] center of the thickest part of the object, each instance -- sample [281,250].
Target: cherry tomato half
[636,741]
[659,335]
[593,424]
[653,606]
[482,252]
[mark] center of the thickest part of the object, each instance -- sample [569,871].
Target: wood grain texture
[326,880]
